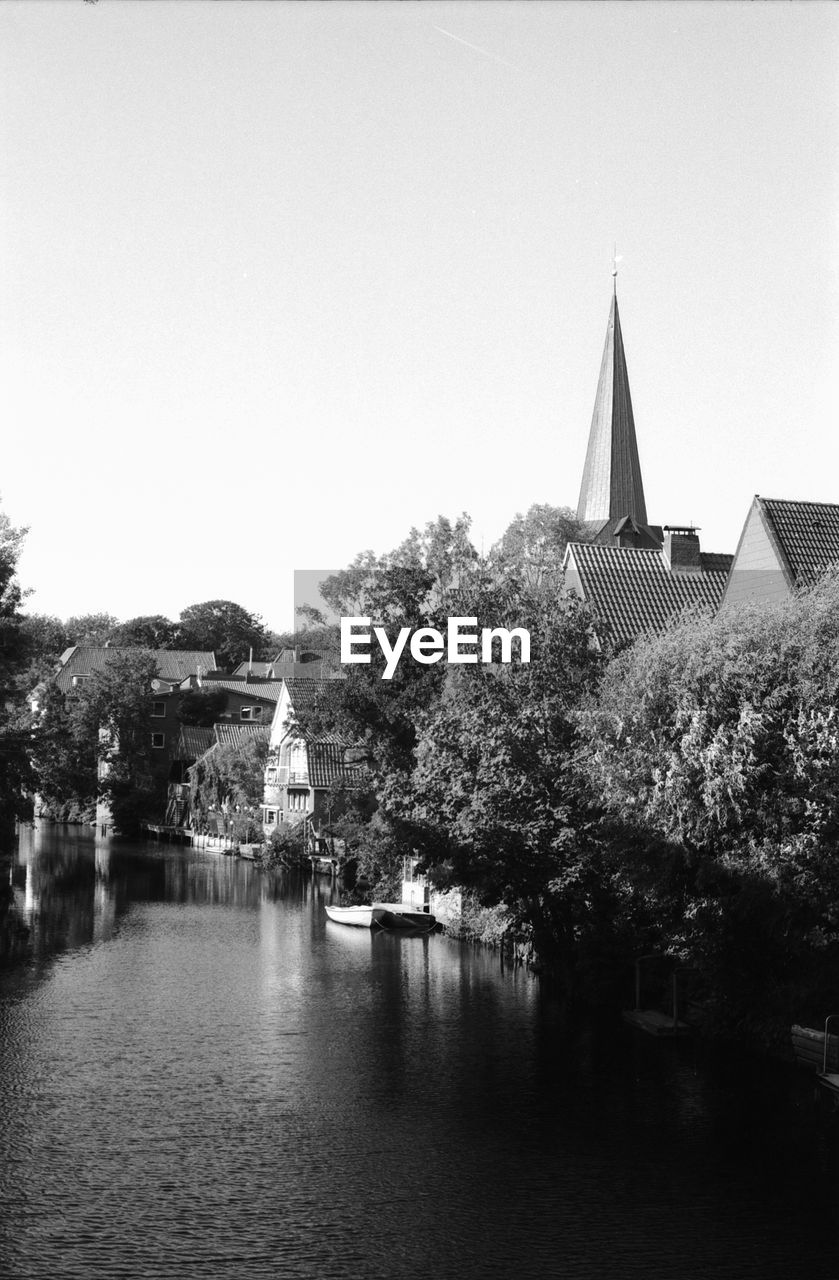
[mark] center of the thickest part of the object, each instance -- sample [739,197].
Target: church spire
[612,486]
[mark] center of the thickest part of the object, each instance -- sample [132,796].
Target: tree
[495,800]
[45,637]
[533,546]
[12,646]
[226,628]
[114,710]
[64,758]
[202,706]
[15,778]
[720,738]
[149,631]
[91,628]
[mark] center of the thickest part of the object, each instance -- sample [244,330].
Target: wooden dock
[655,1021]
[819,1050]
[185,835]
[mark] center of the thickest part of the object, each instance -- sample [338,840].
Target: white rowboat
[361,917]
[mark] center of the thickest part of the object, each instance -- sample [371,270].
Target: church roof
[806,533]
[612,485]
[633,590]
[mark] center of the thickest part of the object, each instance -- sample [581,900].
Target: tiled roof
[632,590]
[326,764]
[233,735]
[304,693]
[807,534]
[193,741]
[172,664]
[268,692]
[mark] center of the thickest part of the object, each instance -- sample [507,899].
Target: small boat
[361,917]
[397,915]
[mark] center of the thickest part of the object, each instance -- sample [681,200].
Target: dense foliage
[721,738]
[226,628]
[226,785]
[108,724]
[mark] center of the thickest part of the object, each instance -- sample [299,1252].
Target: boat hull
[359,917]
[399,916]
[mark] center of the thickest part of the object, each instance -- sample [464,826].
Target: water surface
[203,1076]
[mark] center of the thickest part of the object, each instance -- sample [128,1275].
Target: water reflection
[203,1076]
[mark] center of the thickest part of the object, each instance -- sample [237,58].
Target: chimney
[681,549]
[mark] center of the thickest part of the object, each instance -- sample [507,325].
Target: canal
[202,1076]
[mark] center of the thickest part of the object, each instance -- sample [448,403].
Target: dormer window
[250,713]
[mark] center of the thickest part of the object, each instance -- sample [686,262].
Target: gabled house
[302,772]
[784,546]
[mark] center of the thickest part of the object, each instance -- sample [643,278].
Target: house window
[271,776]
[270,817]
[250,713]
[297,801]
[158,739]
[77,680]
[158,709]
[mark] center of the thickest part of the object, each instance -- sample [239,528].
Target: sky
[280,281]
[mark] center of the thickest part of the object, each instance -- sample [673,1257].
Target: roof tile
[632,590]
[807,533]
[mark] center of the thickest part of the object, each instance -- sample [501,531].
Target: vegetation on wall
[226,786]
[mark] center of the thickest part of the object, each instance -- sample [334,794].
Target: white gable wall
[757,573]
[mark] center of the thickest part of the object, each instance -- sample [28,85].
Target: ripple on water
[223,1086]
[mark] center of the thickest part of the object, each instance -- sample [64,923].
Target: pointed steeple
[612,486]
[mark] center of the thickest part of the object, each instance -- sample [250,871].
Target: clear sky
[278,281]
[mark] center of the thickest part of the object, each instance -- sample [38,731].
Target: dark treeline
[679,798]
[223,626]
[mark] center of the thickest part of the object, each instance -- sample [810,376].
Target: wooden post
[675,998]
